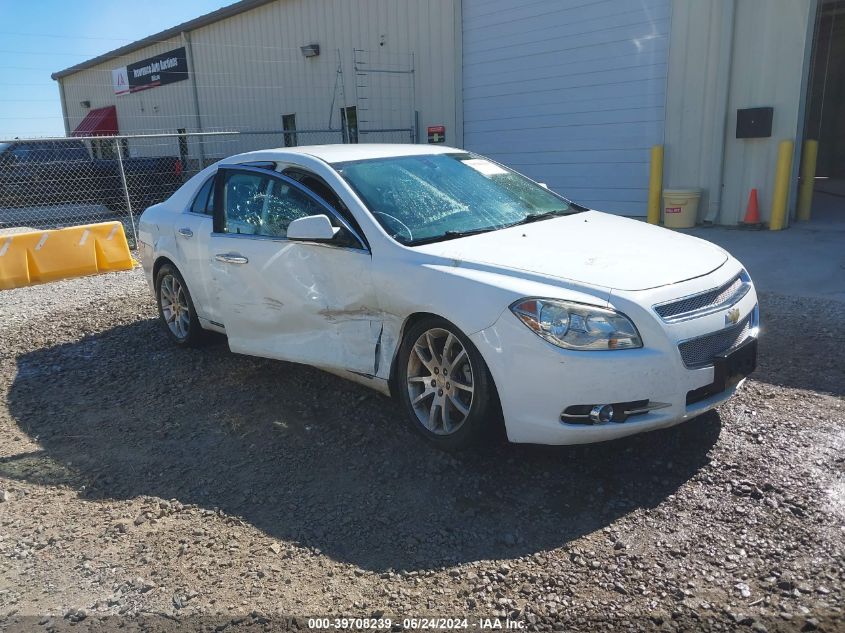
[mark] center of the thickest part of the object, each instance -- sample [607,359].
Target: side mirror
[312,228]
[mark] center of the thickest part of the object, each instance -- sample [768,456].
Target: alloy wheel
[440,381]
[174,306]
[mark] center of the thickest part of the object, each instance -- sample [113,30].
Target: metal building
[280,72]
[575,93]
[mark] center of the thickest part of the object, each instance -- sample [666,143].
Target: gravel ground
[152,487]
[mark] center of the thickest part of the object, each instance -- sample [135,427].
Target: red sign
[436,133]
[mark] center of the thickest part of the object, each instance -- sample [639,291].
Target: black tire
[483,418]
[193,335]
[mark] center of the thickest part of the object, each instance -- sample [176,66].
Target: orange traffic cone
[752,212]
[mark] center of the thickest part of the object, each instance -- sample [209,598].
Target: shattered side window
[284,205]
[244,199]
[256,204]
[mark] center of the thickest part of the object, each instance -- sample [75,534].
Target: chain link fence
[56,182]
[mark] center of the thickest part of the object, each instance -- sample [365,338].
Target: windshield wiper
[528,219]
[451,235]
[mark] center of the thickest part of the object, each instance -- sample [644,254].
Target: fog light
[601,413]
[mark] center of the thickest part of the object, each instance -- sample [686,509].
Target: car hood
[591,248]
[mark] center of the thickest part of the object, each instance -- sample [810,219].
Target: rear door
[192,236]
[306,302]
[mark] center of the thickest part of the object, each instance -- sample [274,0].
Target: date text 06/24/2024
[432,623]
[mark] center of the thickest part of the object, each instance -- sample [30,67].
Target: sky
[40,37]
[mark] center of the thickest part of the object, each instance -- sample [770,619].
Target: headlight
[576,325]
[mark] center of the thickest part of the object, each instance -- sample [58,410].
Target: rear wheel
[176,308]
[445,385]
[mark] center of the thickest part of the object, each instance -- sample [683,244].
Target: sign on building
[152,72]
[436,133]
[120,81]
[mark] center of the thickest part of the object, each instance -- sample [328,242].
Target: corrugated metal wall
[570,92]
[768,68]
[143,110]
[250,71]
[759,50]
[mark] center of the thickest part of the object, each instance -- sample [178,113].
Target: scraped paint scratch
[356,314]
[273,304]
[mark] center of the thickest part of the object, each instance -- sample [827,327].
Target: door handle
[186,232]
[231,258]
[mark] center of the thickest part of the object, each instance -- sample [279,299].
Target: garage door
[570,92]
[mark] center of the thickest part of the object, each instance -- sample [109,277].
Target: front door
[311,303]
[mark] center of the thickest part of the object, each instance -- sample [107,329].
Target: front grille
[700,352]
[705,302]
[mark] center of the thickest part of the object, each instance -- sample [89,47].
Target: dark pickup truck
[62,172]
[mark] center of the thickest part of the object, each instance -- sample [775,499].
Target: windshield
[420,199]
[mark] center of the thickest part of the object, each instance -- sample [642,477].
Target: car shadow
[310,458]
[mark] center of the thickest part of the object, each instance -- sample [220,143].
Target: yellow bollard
[780,195]
[655,184]
[808,179]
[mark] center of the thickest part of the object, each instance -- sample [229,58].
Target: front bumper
[537,381]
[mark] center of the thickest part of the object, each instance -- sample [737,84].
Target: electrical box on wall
[754,122]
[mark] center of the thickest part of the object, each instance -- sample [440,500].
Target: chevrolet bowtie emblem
[732,316]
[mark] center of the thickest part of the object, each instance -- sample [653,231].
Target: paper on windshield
[484,167]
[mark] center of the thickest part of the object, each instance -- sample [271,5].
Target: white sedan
[471,293]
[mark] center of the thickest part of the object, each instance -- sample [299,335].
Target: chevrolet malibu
[464,289]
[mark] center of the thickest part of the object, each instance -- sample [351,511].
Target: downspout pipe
[459,74]
[189,53]
[723,88]
[63,100]
[803,142]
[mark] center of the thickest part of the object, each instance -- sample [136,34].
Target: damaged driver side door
[299,301]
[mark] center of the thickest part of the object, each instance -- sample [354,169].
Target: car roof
[328,153]
[342,153]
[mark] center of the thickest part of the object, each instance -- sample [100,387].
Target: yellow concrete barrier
[41,256]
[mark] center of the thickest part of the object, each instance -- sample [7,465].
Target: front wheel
[445,385]
[176,308]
